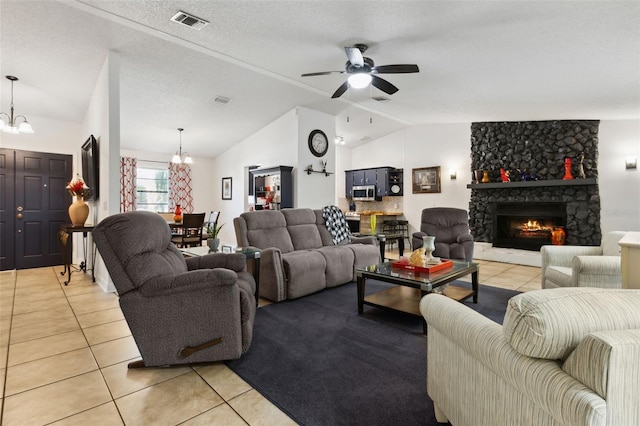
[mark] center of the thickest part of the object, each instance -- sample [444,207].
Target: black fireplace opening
[526,226]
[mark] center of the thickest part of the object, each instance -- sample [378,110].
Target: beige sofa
[297,254]
[566,356]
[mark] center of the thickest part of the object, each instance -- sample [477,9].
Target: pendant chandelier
[181,157]
[12,125]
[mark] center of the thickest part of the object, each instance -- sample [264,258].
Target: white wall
[274,145]
[102,120]
[314,190]
[448,146]
[619,187]
[53,136]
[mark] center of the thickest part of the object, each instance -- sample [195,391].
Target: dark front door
[31,221]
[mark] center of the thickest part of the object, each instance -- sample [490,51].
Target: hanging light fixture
[179,156]
[12,125]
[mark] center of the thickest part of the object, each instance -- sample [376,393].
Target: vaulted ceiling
[479,61]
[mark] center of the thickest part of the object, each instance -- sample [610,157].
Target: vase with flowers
[79,209]
[212,229]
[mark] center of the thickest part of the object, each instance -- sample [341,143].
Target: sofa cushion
[560,275]
[268,229]
[339,264]
[304,271]
[550,323]
[301,225]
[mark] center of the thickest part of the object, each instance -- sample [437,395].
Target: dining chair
[191,235]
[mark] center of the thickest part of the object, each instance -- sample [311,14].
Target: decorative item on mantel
[525,176]
[504,175]
[485,177]
[79,209]
[581,174]
[567,169]
[478,175]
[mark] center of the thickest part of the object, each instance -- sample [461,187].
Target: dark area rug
[323,364]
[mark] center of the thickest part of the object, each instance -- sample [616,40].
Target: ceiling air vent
[222,99]
[380,99]
[189,20]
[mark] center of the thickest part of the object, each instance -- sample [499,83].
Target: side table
[65,236]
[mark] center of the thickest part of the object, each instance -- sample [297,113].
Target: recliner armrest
[419,234]
[188,282]
[363,240]
[462,238]
[234,261]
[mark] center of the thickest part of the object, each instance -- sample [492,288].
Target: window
[152,186]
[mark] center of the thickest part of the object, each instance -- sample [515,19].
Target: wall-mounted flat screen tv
[90,168]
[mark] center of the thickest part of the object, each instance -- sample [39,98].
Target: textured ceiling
[478,60]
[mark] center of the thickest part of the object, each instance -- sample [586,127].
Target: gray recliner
[179,310]
[450,226]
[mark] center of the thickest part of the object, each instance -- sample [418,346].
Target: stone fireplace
[536,150]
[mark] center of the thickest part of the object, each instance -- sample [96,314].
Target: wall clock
[318,143]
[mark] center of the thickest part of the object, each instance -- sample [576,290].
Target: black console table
[65,235]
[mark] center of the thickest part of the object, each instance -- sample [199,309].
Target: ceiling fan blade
[311,74]
[396,69]
[343,88]
[383,85]
[355,56]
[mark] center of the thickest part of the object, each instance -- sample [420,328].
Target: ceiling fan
[362,71]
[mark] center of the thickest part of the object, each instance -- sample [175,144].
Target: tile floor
[64,352]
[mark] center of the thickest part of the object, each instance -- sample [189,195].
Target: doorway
[34,203]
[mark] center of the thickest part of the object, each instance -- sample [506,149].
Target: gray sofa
[297,255]
[564,356]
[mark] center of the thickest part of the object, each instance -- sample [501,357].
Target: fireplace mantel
[534,183]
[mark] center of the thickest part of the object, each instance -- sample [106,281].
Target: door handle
[19,208]
[19,215]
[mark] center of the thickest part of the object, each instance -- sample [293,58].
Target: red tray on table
[404,264]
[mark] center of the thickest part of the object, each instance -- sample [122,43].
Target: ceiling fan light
[359,80]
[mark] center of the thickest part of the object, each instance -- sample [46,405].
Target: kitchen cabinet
[273,188]
[348,183]
[370,176]
[388,180]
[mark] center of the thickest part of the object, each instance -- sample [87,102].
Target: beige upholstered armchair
[583,266]
[563,357]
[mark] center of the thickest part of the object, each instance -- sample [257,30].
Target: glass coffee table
[410,286]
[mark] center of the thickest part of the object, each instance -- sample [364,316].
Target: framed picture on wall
[226,188]
[426,180]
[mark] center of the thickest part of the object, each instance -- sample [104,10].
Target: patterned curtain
[180,187]
[128,174]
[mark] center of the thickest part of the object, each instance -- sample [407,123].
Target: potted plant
[212,230]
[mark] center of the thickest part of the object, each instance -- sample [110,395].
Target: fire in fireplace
[526,226]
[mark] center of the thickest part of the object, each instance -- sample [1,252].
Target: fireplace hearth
[526,226]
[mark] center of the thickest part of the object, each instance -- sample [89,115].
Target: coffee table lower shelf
[407,299]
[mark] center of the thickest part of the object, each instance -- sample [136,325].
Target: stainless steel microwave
[364,193]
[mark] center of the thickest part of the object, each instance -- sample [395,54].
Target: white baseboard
[486,251]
